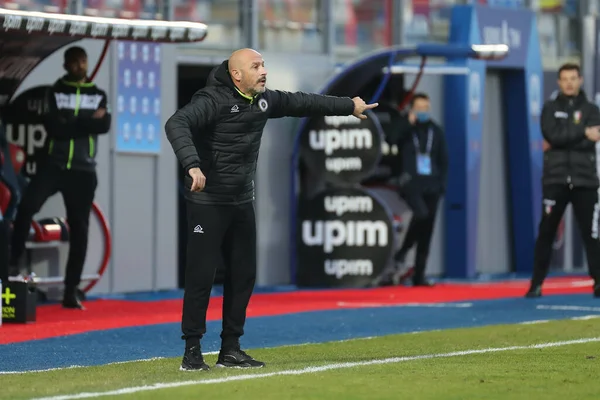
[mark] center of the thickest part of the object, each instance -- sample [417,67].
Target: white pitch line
[32,371]
[312,370]
[567,308]
[431,305]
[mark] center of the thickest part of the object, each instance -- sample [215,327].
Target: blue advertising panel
[138,119]
[465,125]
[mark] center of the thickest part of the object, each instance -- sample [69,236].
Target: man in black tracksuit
[216,138]
[423,154]
[76,113]
[570,125]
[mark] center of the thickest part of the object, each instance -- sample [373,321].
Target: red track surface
[52,320]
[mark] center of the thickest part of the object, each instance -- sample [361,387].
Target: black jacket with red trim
[572,157]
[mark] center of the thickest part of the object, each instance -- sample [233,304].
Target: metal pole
[167,10]
[398,21]
[326,24]
[249,23]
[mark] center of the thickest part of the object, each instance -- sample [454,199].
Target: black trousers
[586,207]
[78,189]
[424,207]
[216,233]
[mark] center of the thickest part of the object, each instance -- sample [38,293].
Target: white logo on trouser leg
[548,204]
[595,221]
[198,229]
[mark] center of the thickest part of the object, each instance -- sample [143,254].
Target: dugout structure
[28,38]
[343,227]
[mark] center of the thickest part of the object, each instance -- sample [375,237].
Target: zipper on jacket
[51,146]
[72,141]
[91,146]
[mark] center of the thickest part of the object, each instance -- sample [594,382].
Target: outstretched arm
[300,104]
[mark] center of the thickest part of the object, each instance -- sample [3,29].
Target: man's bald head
[247,70]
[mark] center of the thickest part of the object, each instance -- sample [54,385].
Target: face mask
[422,116]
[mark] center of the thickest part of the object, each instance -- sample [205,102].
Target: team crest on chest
[577,116]
[263,105]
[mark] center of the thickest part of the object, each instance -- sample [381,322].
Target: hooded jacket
[220,132]
[72,131]
[572,157]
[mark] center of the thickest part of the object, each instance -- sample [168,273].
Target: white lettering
[12,22]
[176,33]
[338,165]
[140,32]
[330,140]
[159,32]
[28,137]
[336,233]
[34,24]
[341,268]
[195,34]
[99,30]
[78,28]
[82,102]
[337,120]
[120,31]
[35,106]
[342,204]
[56,26]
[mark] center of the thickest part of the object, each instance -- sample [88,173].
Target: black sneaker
[70,300]
[534,291]
[193,360]
[236,358]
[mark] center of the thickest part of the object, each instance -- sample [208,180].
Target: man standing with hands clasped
[76,113]
[216,138]
[571,127]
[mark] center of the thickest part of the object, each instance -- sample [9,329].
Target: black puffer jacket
[72,131]
[220,132]
[572,157]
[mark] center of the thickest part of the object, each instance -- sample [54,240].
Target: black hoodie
[72,131]
[220,130]
[572,157]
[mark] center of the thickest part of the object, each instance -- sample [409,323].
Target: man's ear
[236,74]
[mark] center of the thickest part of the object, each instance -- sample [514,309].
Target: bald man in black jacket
[216,138]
